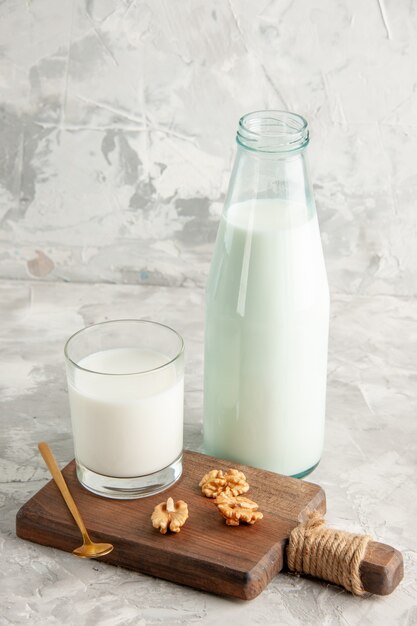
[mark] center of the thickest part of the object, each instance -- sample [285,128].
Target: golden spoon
[89,549]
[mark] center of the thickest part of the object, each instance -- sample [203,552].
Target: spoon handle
[50,461]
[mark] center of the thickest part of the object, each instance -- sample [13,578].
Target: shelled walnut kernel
[238,509]
[170,515]
[232,483]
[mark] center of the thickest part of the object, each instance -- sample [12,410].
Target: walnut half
[238,509]
[170,515]
[232,483]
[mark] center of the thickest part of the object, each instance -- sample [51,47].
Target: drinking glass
[126,392]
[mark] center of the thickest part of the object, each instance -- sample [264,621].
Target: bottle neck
[271,162]
[279,133]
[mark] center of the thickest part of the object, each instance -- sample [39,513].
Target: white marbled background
[117,123]
[118,120]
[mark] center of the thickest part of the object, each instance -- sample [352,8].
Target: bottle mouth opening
[273,131]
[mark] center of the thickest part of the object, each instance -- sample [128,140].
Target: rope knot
[332,555]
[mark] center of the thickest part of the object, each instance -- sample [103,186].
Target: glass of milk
[126,393]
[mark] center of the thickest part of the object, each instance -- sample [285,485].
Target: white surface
[131,425]
[116,139]
[118,123]
[266,343]
[368,469]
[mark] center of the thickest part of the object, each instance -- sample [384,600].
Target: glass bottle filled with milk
[267,313]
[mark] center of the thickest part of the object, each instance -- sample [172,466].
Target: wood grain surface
[232,561]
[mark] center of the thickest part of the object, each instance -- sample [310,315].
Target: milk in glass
[126,424]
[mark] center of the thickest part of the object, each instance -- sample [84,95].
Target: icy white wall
[118,121]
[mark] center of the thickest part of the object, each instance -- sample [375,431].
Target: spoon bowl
[93,550]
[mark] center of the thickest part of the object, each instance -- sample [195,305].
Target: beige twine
[325,553]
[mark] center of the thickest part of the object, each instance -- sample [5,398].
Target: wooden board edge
[382,568]
[318,503]
[60,538]
[261,575]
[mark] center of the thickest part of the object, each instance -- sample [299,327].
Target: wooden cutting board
[232,561]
